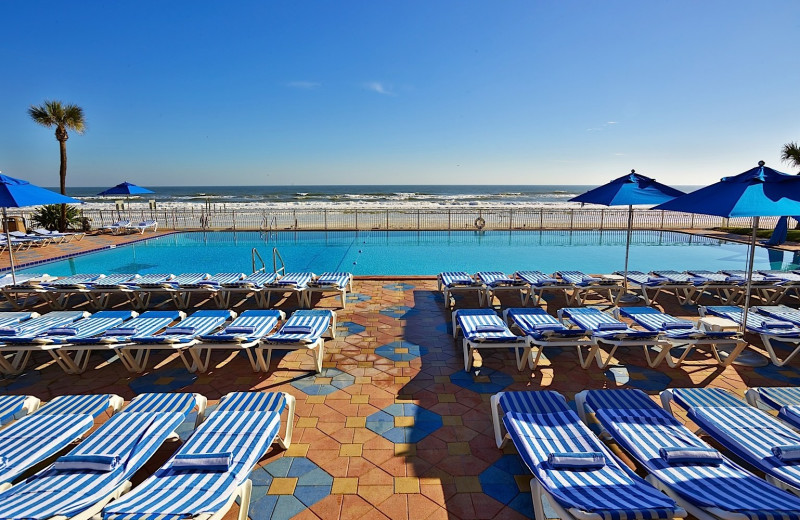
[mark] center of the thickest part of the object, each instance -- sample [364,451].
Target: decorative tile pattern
[324,383]
[400,312]
[503,481]
[401,351]
[404,423]
[399,286]
[358,297]
[287,486]
[482,380]
[643,378]
[347,328]
[164,380]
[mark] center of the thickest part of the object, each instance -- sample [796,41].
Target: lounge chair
[790,282]
[13,359]
[143,226]
[99,292]
[210,471]
[700,479]
[138,291]
[770,329]
[496,282]
[541,426]
[43,288]
[177,339]
[167,285]
[583,284]
[677,332]
[54,426]
[727,288]
[60,292]
[99,469]
[540,283]
[543,330]
[752,434]
[648,282]
[769,289]
[76,353]
[243,334]
[35,240]
[289,283]
[13,318]
[117,228]
[303,330]
[784,400]
[249,285]
[687,288]
[15,406]
[206,287]
[453,282]
[607,330]
[55,235]
[483,329]
[332,281]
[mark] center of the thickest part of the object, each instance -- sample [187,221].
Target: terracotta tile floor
[393,427]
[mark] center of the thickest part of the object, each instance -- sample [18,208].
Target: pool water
[420,252]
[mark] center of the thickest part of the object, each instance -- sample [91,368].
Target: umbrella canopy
[15,193]
[125,188]
[629,190]
[759,192]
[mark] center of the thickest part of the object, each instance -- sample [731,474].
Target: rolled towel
[657,279]
[676,325]
[239,329]
[88,461]
[489,328]
[696,455]
[327,281]
[547,326]
[121,331]
[576,460]
[546,281]
[589,279]
[8,331]
[297,329]
[211,283]
[611,326]
[180,330]
[776,324]
[61,331]
[287,282]
[788,453]
[202,461]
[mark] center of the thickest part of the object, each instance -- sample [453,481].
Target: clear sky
[400,92]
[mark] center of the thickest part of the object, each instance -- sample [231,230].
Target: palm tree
[791,154]
[64,117]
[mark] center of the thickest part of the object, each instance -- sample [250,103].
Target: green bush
[49,216]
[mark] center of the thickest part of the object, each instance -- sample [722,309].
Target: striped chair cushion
[472,320]
[456,278]
[317,320]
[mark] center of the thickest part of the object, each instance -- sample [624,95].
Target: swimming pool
[419,253]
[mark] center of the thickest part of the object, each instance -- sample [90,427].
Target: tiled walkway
[393,427]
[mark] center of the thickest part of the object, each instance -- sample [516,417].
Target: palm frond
[791,154]
[56,113]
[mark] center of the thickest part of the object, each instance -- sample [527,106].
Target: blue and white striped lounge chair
[210,471]
[770,329]
[484,329]
[76,353]
[207,288]
[15,406]
[752,434]
[496,282]
[605,329]
[726,287]
[45,289]
[687,288]
[458,282]
[143,226]
[99,469]
[146,287]
[138,291]
[13,359]
[330,281]
[117,228]
[13,318]
[54,426]
[243,334]
[677,332]
[543,330]
[790,282]
[649,282]
[34,239]
[59,292]
[244,288]
[295,283]
[58,237]
[303,330]
[540,283]
[26,286]
[769,289]
[542,426]
[176,339]
[700,479]
[785,400]
[583,284]
[98,292]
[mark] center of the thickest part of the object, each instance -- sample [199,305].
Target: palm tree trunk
[62,225]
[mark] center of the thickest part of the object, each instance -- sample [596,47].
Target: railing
[418,219]
[254,254]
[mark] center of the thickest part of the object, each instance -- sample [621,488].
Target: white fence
[421,219]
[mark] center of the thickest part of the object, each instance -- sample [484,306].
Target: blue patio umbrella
[629,190]
[15,193]
[127,189]
[758,192]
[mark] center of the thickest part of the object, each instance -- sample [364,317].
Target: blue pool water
[420,253]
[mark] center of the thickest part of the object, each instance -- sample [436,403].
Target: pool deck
[394,360]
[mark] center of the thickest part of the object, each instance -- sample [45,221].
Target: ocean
[394,196]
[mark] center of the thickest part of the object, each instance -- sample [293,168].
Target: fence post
[417,220]
[387,219]
[449,227]
[234,220]
[356,220]
[662,219]
[541,223]
[510,219]
[602,218]
[325,215]
[571,218]
[691,225]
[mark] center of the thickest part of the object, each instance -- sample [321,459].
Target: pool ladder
[276,258]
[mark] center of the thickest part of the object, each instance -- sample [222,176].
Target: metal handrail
[255,254]
[275,257]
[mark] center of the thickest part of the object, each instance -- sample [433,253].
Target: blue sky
[400,92]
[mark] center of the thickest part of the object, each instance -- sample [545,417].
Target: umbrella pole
[750,261]
[10,249]
[625,297]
